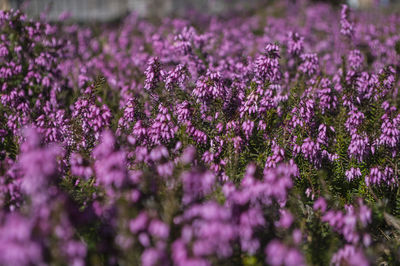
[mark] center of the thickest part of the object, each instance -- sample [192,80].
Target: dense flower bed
[264,139]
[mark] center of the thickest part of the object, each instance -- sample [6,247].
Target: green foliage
[320,241]
[397,47]
[80,191]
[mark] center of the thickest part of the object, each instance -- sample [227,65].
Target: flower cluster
[201,140]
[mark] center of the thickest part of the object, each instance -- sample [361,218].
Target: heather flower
[11,196]
[39,166]
[278,155]
[297,236]
[196,184]
[249,221]
[302,114]
[247,127]
[346,27]
[208,157]
[320,204]
[322,135]
[250,106]
[354,121]
[375,177]
[139,133]
[286,219]
[180,256]
[151,257]
[17,242]
[346,222]
[364,214]
[295,43]
[188,155]
[110,165]
[390,132]
[175,77]
[356,59]
[279,254]
[349,255]
[139,223]
[310,64]
[261,125]
[359,147]
[210,229]
[166,169]
[196,134]
[152,73]
[379,177]
[210,86]
[278,181]
[388,77]
[128,117]
[158,153]
[311,151]
[327,98]
[267,66]
[353,173]
[183,112]
[309,193]
[158,229]
[78,167]
[75,251]
[162,130]
[366,86]
[90,117]
[237,143]
[184,39]
[53,125]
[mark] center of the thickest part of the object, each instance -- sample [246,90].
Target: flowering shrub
[201,141]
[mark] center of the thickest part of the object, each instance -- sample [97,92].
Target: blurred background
[104,10]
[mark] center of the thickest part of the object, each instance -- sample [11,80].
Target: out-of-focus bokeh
[105,10]
[112,9]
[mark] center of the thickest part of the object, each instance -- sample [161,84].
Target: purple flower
[152,73]
[16,242]
[359,147]
[353,173]
[196,185]
[278,254]
[354,121]
[158,229]
[320,204]
[152,257]
[295,43]
[346,27]
[139,223]
[311,151]
[247,127]
[278,155]
[327,98]
[162,129]
[110,165]
[78,168]
[267,66]
[176,77]
[390,135]
[39,166]
[310,64]
[286,219]
[158,153]
[349,255]
[209,86]
[92,118]
[356,59]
